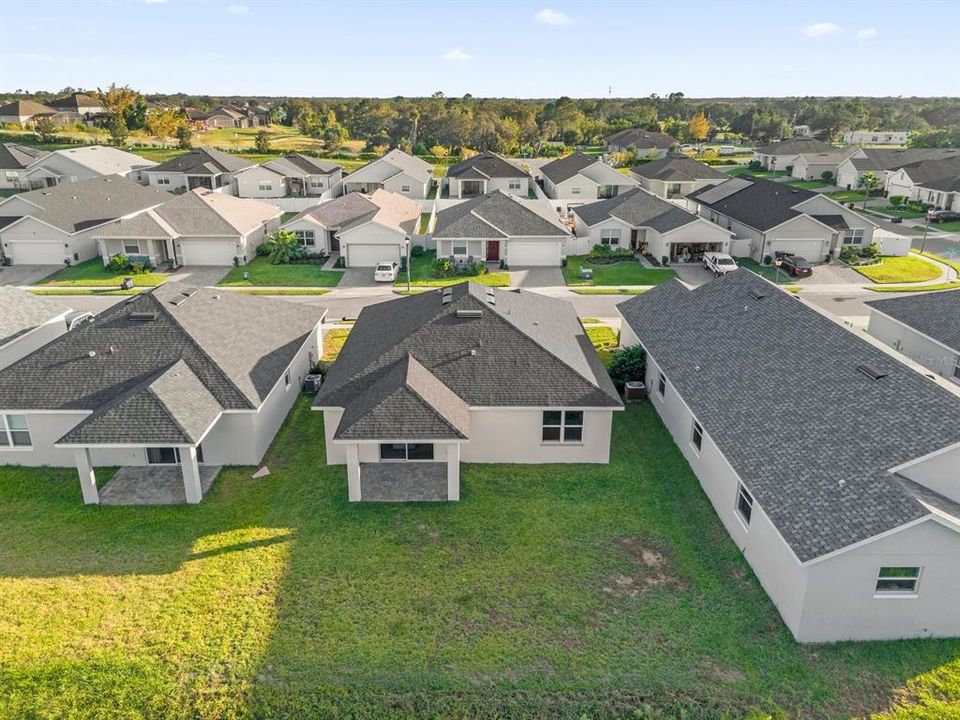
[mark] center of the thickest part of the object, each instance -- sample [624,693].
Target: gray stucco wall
[916,346]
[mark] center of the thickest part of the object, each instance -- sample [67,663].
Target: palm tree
[283,246]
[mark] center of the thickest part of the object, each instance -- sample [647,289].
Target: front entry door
[334,242]
[493,250]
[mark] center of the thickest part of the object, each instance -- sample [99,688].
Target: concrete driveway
[360,277]
[693,273]
[536,277]
[198,275]
[833,274]
[26,274]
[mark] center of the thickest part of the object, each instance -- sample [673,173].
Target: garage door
[368,255]
[207,253]
[520,254]
[37,252]
[811,249]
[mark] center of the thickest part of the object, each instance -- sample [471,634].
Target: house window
[404,188]
[744,504]
[286,379]
[610,236]
[305,237]
[661,385]
[673,189]
[460,249]
[131,247]
[513,184]
[316,183]
[853,237]
[956,370]
[10,174]
[574,191]
[163,455]
[696,436]
[902,580]
[14,431]
[163,181]
[265,185]
[406,451]
[562,426]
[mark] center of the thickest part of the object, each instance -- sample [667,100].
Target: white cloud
[552,17]
[238,9]
[30,57]
[866,34]
[457,55]
[154,2]
[824,29]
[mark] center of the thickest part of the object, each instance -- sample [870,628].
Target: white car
[719,263]
[386,272]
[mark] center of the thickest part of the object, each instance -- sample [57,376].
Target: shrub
[767,260]
[789,169]
[872,250]
[627,364]
[665,260]
[138,268]
[442,266]
[827,176]
[755,165]
[119,263]
[263,249]
[897,200]
[606,255]
[418,251]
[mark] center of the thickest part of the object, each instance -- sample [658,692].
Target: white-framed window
[562,426]
[897,580]
[661,385]
[305,237]
[265,185]
[406,452]
[161,180]
[610,236]
[286,379]
[404,188]
[744,504]
[14,431]
[513,184]
[131,247]
[169,455]
[10,174]
[956,370]
[316,182]
[853,236]
[696,436]
[458,249]
[575,191]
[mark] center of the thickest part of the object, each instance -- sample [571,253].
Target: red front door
[493,250]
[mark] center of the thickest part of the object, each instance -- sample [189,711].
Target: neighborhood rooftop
[800,406]
[498,215]
[639,208]
[677,168]
[936,315]
[18,157]
[761,204]
[203,161]
[566,167]
[486,165]
[23,311]
[105,160]
[295,164]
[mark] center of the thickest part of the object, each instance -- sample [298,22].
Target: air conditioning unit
[312,383]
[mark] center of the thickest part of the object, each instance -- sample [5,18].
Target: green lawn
[914,288]
[847,196]
[606,291]
[92,273]
[628,272]
[891,211]
[279,291]
[333,343]
[263,272]
[744,170]
[424,223]
[600,591]
[807,184]
[900,270]
[953,226]
[422,275]
[604,341]
[84,291]
[767,271]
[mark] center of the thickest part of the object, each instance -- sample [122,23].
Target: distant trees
[45,129]
[116,102]
[945,137]
[185,137]
[698,127]
[165,123]
[262,142]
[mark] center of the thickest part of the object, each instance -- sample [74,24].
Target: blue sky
[492,48]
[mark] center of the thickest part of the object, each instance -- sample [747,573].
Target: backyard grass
[807,184]
[422,275]
[92,273]
[628,272]
[263,272]
[563,591]
[847,196]
[900,270]
[766,271]
[424,223]
[333,343]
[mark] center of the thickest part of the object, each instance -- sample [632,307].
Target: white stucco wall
[371,234]
[248,183]
[25,344]
[177,180]
[31,230]
[396,183]
[918,347]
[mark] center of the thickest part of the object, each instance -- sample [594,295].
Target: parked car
[719,263]
[796,266]
[938,216]
[386,272]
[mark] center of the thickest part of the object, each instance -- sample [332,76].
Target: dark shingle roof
[21,312]
[639,208]
[796,146]
[489,164]
[418,356]
[641,139]
[25,108]
[497,215]
[891,159]
[761,204]
[677,168]
[76,102]
[203,161]
[936,315]
[566,167]
[816,458]
[17,157]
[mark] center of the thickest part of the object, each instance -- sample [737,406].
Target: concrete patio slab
[152,485]
[26,274]
[403,482]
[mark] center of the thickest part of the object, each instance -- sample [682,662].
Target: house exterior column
[191,475]
[88,478]
[353,472]
[453,471]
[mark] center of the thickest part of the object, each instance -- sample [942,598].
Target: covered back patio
[376,472]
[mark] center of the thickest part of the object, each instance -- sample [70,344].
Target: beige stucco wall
[248,183]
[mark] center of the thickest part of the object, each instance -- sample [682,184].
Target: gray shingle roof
[890,159]
[811,436]
[677,168]
[306,164]
[21,312]
[936,315]
[489,164]
[87,203]
[524,350]
[193,162]
[796,146]
[25,108]
[566,167]
[641,139]
[761,204]
[17,157]
[497,215]
[639,208]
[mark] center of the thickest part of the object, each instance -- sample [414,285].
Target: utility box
[127,283]
[586,273]
[634,391]
[312,383]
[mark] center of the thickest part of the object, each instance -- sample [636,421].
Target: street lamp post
[923,242]
[406,244]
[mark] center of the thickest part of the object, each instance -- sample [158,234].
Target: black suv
[796,266]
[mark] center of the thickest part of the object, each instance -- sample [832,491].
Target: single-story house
[293,175]
[225,116]
[883,162]
[465,373]
[642,222]
[485,173]
[201,167]
[676,176]
[646,143]
[396,172]
[780,155]
[876,137]
[497,226]
[178,376]
[579,178]
[14,161]
[802,131]
[57,225]
[365,229]
[925,327]
[936,182]
[812,165]
[772,217]
[28,322]
[23,112]
[831,464]
[200,227]
[80,163]
[78,103]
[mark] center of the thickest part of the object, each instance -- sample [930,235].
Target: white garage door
[201,252]
[37,252]
[811,249]
[368,255]
[520,254]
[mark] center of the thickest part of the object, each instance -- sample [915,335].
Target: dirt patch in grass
[653,570]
